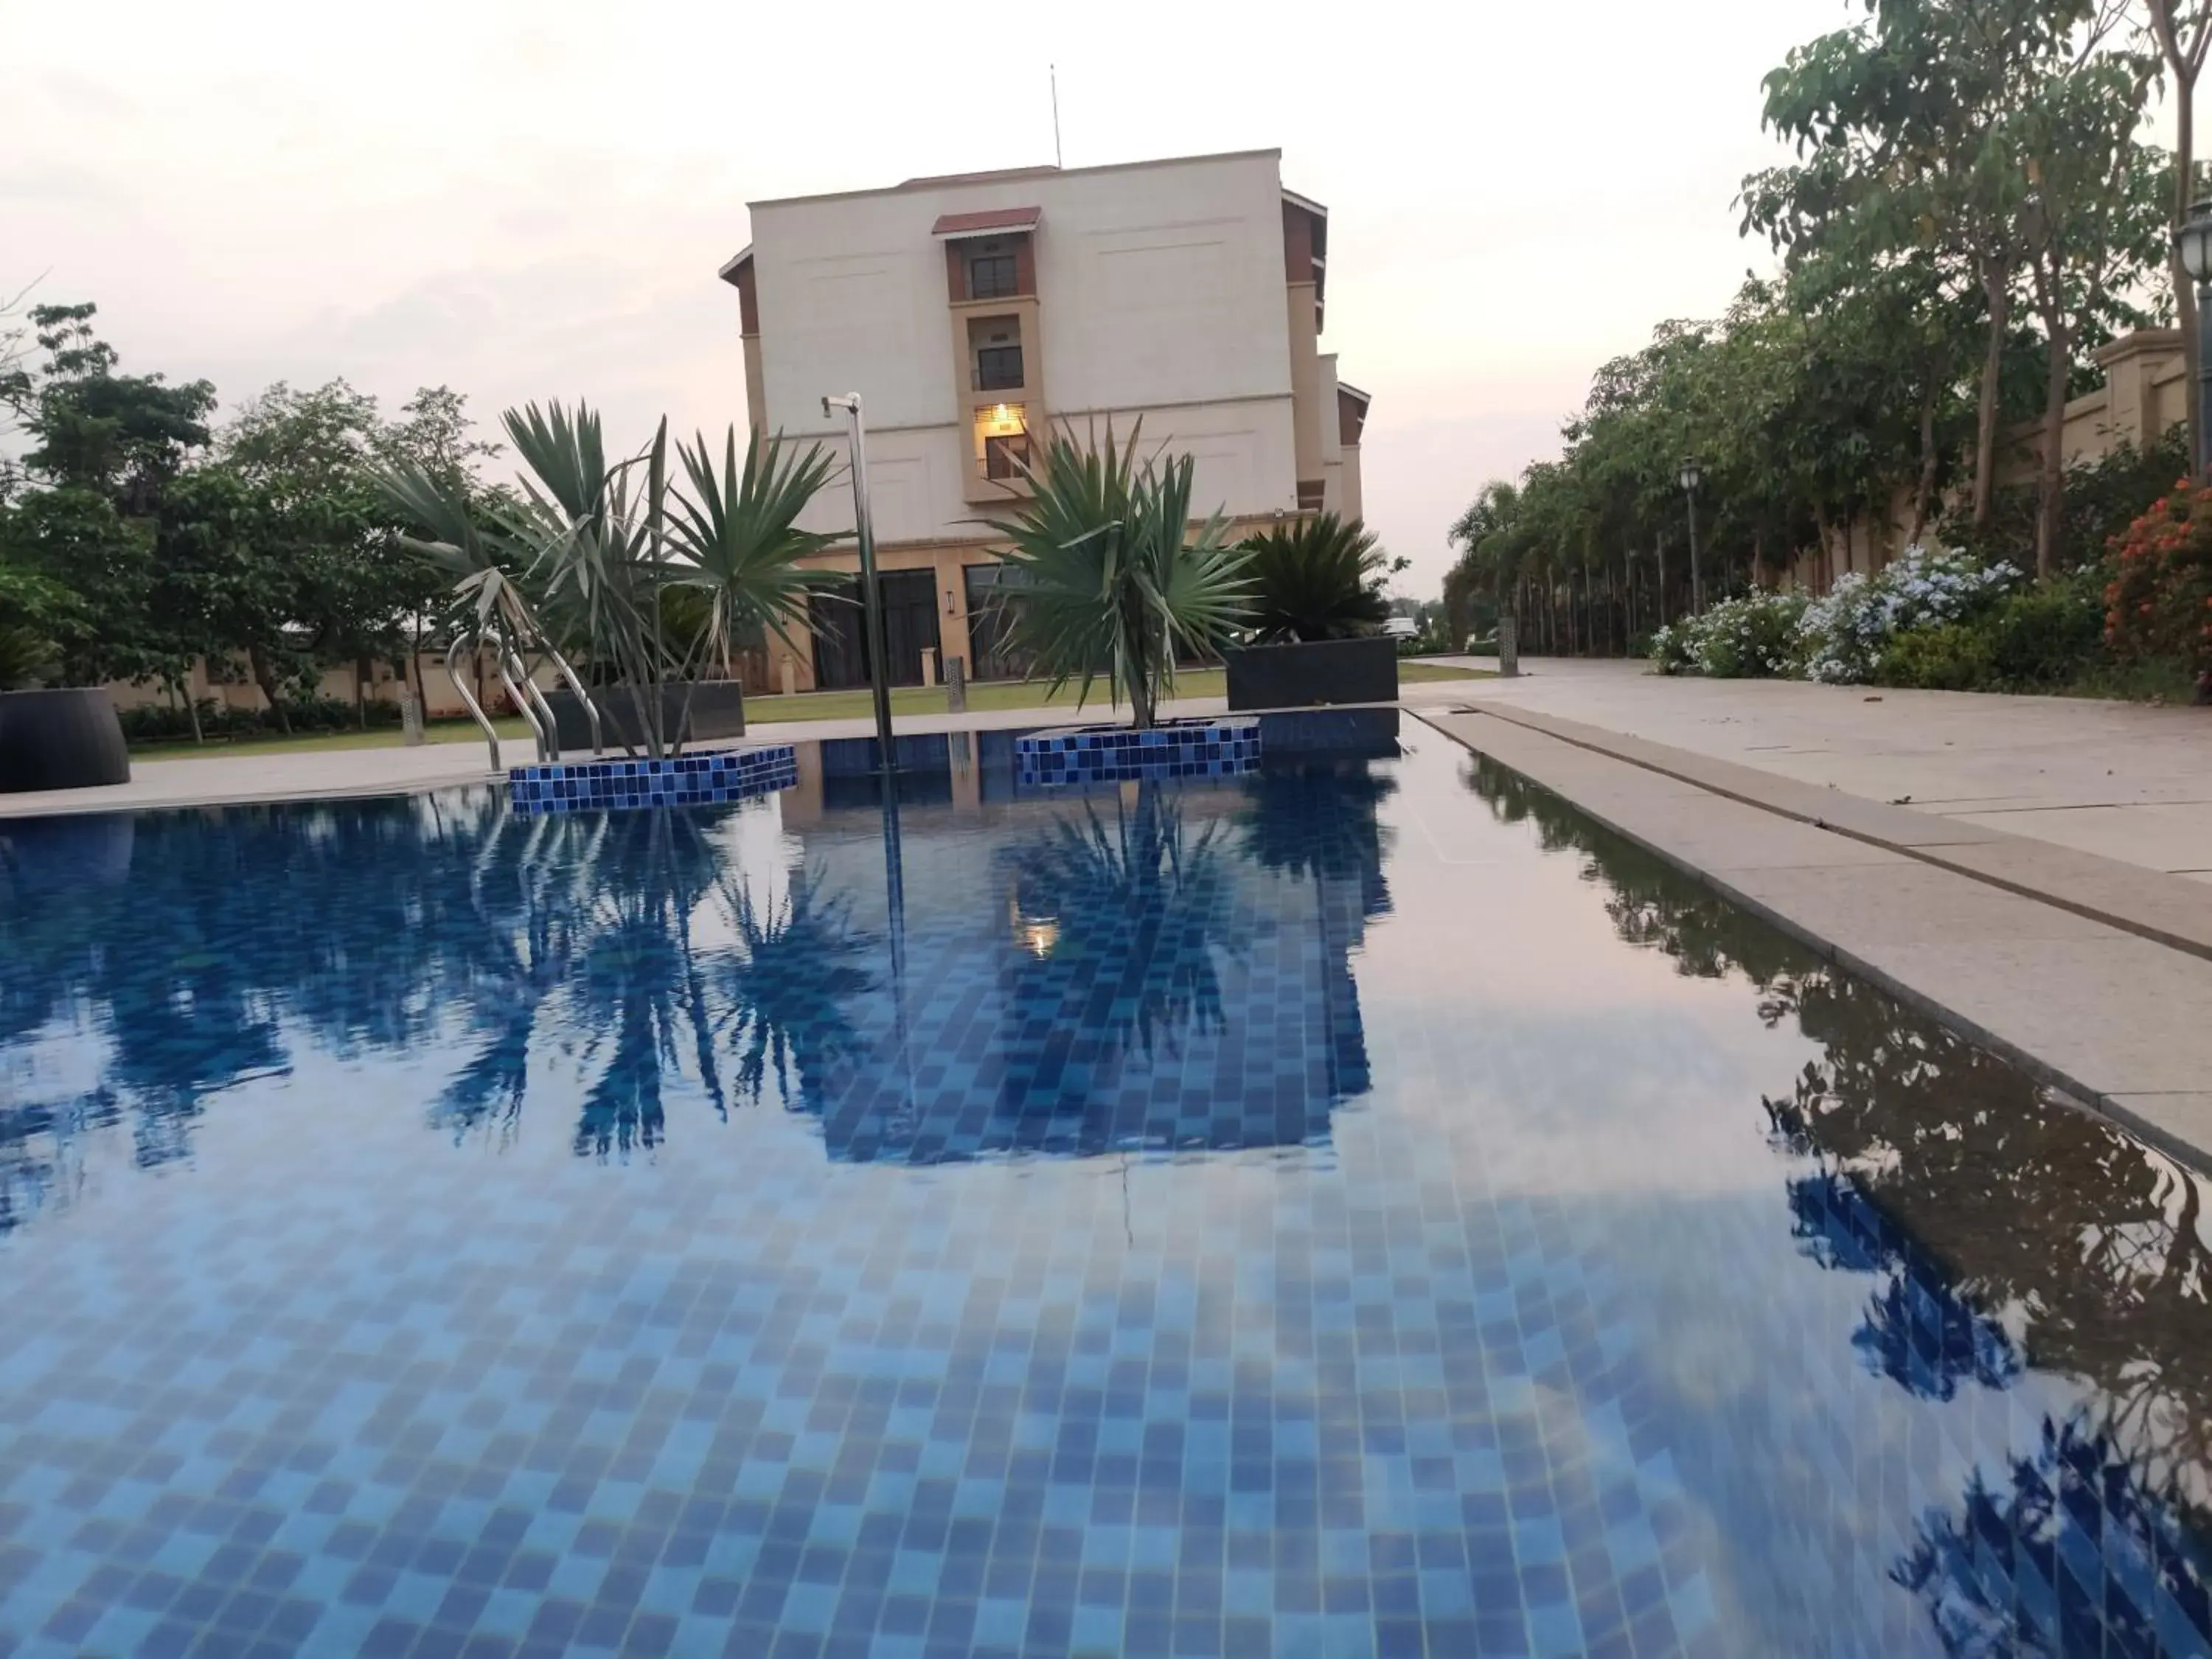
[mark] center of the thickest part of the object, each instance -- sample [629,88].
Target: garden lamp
[2192,245]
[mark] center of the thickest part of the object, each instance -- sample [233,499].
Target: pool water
[1359,1208]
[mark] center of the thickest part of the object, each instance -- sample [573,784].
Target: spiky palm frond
[1320,578]
[737,538]
[1113,583]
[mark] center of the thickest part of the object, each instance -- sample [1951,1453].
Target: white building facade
[979,313]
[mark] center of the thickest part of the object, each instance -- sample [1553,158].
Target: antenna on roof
[1053,69]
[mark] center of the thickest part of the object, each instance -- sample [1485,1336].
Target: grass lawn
[765,711]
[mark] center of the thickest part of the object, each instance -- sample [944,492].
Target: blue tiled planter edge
[1114,754]
[695,780]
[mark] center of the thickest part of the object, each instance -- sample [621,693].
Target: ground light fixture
[1690,476]
[2192,247]
[872,609]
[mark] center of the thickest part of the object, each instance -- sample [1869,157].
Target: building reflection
[1061,987]
[2006,1231]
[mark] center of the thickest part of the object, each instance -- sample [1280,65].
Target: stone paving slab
[1950,752]
[2115,1019]
[2168,910]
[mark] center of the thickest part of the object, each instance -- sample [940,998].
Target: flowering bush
[2159,601]
[1753,637]
[1845,636]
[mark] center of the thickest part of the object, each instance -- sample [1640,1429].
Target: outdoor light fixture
[1691,476]
[2192,245]
[2192,240]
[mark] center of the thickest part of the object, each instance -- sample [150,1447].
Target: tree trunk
[1996,288]
[2051,469]
[257,660]
[1924,490]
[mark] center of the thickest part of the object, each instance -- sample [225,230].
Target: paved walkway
[2123,780]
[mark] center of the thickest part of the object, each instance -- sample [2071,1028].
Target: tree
[2092,223]
[124,435]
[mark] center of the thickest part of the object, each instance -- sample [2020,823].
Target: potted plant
[1316,612]
[647,583]
[52,736]
[1113,581]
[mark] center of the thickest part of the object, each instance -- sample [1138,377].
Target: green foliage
[1113,583]
[1950,657]
[124,436]
[220,722]
[1318,579]
[640,582]
[1754,636]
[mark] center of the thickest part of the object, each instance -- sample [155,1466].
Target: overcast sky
[530,200]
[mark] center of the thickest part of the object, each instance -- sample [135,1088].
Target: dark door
[841,656]
[992,590]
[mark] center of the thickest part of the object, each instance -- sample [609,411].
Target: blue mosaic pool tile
[1117,753]
[700,779]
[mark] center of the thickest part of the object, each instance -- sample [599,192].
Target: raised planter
[1326,673]
[702,779]
[64,739]
[717,712]
[1115,754]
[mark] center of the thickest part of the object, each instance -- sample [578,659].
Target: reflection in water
[2009,1229]
[613,961]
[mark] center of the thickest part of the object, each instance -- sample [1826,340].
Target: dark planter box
[1313,676]
[66,739]
[718,710]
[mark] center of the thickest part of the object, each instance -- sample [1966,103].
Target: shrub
[1845,634]
[2158,597]
[1318,579]
[163,722]
[1949,657]
[1751,637]
[2049,634]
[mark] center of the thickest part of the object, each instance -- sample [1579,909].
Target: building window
[1006,457]
[1312,493]
[1002,440]
[990,276]
[998,368]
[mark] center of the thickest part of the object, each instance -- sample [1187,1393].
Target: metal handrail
[576,688]
[536,693]
[469,698]
[504,659]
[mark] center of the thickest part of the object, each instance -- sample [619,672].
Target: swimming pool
[1358,1208]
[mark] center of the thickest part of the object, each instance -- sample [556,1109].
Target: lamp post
[871,610]
[2192,245]
[1689,477]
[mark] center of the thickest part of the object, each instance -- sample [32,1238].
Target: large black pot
[65,739]
[1313,676]
[718,710]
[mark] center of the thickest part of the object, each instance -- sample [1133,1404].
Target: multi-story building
[975,314]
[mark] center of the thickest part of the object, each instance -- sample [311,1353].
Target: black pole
[2204,456]
[871,604]
[1697,580]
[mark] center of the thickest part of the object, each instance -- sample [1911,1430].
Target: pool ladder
[521,690]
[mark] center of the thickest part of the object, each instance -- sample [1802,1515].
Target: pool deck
[2092,972]
[2038,871]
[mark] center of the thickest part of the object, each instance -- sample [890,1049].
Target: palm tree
[1319,579]
[598,549]
[1112,580]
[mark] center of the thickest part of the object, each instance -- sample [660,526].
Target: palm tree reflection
[2012,1229]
